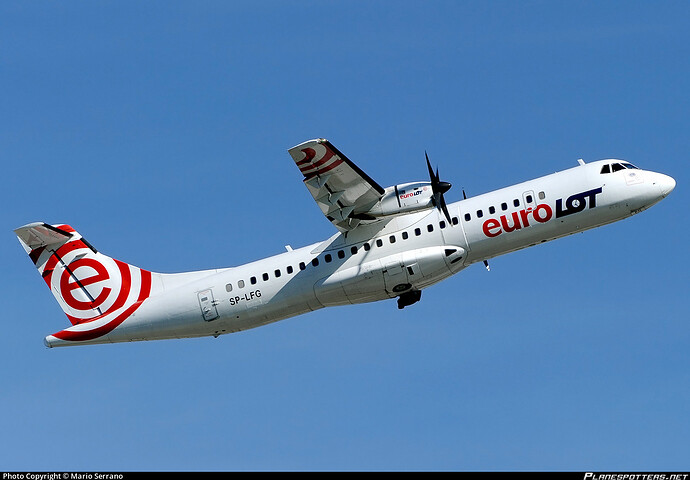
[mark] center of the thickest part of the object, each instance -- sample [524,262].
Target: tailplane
[96,292]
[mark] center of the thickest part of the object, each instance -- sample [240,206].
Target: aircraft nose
[666,184]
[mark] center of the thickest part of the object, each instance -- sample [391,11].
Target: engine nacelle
[403,198]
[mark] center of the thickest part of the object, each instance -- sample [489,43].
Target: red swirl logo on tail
[96,292]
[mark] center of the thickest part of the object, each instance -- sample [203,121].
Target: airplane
[390,243]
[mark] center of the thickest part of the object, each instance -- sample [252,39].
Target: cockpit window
[615,167]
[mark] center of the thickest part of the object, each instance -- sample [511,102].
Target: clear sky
[160,129]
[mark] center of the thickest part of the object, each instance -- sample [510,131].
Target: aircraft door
[394,274]
[208,305]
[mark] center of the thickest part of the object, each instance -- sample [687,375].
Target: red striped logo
[318,162]
[96,292]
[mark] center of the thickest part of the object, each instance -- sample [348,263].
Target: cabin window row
[340,254]
[504,206]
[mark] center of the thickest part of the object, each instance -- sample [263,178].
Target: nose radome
[666,184]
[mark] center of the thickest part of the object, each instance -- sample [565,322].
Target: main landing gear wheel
[408,298]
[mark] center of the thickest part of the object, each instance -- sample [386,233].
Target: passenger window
[430,228]
[504,206]
[480,214]
[277,273]
[455,220]
[240,283]
[264,276]
[252,280]
[228,287]
[405,236]
[379,243]
[442,224]
[392,238]
[366,247]
[302,266]
[353,250]
[328,258]
[417,232]
[468,217]
[492,210]
[516,203]
[289,269]
[542,195]
[341,254]
[606,169]
[315,262]
[528,198]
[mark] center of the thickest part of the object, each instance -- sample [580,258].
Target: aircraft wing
[342,191]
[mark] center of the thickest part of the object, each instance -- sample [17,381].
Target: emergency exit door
[208,305]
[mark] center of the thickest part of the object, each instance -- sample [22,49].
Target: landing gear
[408,298]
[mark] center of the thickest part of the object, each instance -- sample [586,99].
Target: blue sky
[160,131]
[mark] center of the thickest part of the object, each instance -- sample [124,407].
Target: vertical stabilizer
[96,292]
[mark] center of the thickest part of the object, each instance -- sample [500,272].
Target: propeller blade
[445,210]
[428,164]
[438,188]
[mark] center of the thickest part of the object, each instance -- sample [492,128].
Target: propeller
[438,188]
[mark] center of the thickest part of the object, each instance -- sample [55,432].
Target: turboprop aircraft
[390,242]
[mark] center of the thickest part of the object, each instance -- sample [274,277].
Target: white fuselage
[407,252]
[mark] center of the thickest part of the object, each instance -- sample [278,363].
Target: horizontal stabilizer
[39,234]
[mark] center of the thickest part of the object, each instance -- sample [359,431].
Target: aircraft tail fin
[96,292]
